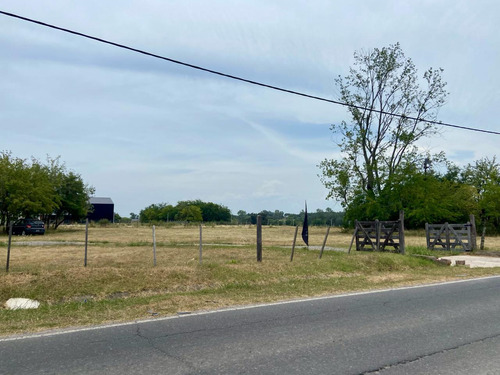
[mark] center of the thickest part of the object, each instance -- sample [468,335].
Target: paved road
[441,329]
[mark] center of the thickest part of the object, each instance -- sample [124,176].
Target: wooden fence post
[324,243]
[294,240]
[402,232]
[259,238]
[473,229]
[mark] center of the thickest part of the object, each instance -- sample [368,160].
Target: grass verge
[120,282]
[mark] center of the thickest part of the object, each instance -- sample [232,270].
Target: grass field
[120,282]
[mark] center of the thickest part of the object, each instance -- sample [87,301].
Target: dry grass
[120,282]
[181,234]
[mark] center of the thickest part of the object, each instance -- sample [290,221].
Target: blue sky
[145,131]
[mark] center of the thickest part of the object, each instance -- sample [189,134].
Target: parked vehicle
[28,226]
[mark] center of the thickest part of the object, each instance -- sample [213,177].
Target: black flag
[305,229]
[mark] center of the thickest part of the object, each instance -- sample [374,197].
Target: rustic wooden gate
[379,235]
[449,236]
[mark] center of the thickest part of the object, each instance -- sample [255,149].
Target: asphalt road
[441,329]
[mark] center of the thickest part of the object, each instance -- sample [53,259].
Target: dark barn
[102,208]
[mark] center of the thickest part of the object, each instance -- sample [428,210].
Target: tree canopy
[484,177]
[196,211]
[277,217]
[376,143]
[30,188]
[381,171]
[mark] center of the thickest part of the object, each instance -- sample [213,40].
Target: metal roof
[100,200]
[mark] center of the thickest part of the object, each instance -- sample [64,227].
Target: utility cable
[240,78]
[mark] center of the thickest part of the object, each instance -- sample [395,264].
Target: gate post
[473,239]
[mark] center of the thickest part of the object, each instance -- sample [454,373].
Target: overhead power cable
[240,78]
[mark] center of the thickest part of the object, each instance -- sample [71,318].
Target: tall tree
[375,143]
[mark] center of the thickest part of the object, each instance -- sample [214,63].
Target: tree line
[190,211]
[45,190]
[277,217]
[199,211]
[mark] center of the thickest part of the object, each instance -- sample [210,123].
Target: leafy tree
[33,189]
[73,196]
[484,177]
[375,144]
[25,188]
[265,215]
[428,199]
[214,212]
[424,194]
[163,212]
[210,211]
[489,206]
[168,213]
[243,217]
[190,213]
[151,213]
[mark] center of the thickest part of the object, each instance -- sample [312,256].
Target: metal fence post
[86,241]
[154,246]
[201,246]
[259,238]
[8,248]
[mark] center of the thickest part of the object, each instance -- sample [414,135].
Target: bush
[103,222]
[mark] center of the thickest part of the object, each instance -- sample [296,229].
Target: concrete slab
[474,261]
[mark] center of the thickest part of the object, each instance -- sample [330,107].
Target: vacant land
[120,281]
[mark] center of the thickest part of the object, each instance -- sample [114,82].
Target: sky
[142,130]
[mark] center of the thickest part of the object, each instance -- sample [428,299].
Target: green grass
[421,250]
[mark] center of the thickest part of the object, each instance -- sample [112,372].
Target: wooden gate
[449,236]
[379,235]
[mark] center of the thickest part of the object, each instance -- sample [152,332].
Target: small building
[102,208]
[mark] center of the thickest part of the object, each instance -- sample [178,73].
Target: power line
[240,78]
